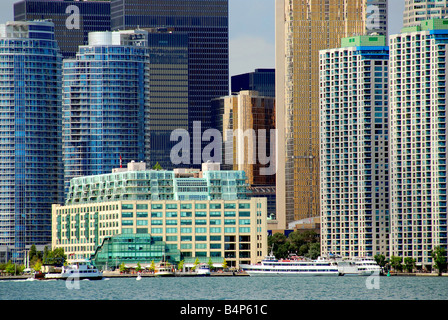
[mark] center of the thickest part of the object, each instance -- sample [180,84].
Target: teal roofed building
[136,182]
[137,215]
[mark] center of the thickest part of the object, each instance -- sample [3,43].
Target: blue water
[231,288]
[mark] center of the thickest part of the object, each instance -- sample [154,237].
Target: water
[231,288]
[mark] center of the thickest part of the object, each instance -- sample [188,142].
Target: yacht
[293,266]
[363,266]
[78,269]
[203,270]
[163,269]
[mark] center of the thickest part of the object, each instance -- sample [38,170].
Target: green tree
[224,264]
[409,264]
[181,264]
[14,269]
[380,260]
[210,263]
[279,245]
[54,257]
[37,266]
[152,267]
[138,268]
[196,263]
[122,267]
[439,257]
[33,252]
[396,263]
[314,251]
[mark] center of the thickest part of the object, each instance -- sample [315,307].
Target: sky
[251,31]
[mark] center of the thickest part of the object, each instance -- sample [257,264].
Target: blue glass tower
[104,103]
[30,135]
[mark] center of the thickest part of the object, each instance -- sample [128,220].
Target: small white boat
[203,270]
[163,270]
[139,276]
[78,269]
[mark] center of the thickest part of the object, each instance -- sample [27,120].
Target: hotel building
[354,166]
[302,29]
[418,140]
[203,214]
[30,136]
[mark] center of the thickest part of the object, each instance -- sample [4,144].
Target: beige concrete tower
[303,27]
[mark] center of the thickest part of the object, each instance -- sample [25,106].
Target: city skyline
[251,31]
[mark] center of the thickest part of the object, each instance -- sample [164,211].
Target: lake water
[231,288]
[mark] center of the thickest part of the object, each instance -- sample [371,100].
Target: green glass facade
[132,249]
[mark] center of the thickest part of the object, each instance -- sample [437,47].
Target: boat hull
[291,274]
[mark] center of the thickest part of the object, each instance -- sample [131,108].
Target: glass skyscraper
[261,80]
[104,103]
[168,93]
[30,135]
[73,20]
[206,23]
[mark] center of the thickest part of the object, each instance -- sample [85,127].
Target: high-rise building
[206,24]
[418,140]
[73,20]
[199,214]
[416,11]
[105,98]
[30,135]
[261,80]
[302,29]
[247,123]
[354,166]
[168,93]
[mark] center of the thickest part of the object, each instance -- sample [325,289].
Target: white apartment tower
[418,138]
[416,11]
[354,185]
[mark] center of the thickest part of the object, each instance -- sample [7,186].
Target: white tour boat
[293,266]
[364,266]
[203,270]
[163,270]
[79,270]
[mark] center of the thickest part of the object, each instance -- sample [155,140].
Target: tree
[37,266]
[409,264]
[54,257]
[139,267]
[279,245]
[380,260]
[152,267]
[210,263]
[395,262]
[224,264]
[122,267]
[314,251]
[180,266]
[196,263]
[439,258]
